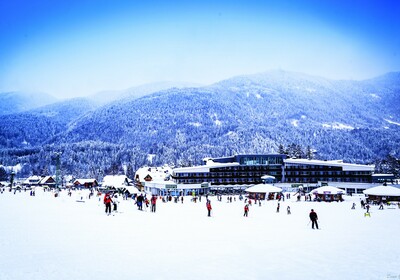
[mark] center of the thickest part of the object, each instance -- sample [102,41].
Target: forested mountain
[357,121]
[35,127]
[15,102]
[104,97]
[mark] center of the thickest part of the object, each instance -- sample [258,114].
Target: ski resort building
[157,180]
[39,181]
[248,170]
[238,172]
[313,171]
[116,181]
[86,183]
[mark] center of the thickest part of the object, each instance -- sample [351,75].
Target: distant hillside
[357,121]
[244,114]
[35,127]
[104,97]
[15,102]
[66,111]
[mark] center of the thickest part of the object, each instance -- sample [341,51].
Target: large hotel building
[242,171]
[248,170]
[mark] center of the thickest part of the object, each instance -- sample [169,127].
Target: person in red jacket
[153,203]
[246,210]
[107,202]
[208,204]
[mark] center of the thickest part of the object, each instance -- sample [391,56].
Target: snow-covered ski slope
[47,237]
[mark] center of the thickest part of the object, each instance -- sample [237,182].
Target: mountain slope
[104,97]
[357,121]
[35,127]
[242,114]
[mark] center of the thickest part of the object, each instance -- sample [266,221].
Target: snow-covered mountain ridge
[351,120]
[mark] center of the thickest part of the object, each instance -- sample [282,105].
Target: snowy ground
[45,237]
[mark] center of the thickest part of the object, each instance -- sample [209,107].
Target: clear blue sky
[78,47]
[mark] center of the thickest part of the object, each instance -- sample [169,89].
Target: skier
[246,210]
[313,218]
[107,202]
[115,203]
[354,206]
[277,208]
[208,204]
[288,210]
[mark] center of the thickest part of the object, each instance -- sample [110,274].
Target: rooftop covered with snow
[383,191]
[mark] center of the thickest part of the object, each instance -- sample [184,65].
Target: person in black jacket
[139,202]
[313,218]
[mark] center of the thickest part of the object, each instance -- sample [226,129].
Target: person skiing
[246,210]
[288,210]
[115,203]
[277,208]
[209,208]
[367,207]
[313,218]
[107,202]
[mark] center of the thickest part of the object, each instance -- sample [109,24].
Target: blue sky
[74,48]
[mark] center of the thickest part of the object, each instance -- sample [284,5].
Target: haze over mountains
[15,102]
[358,121]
